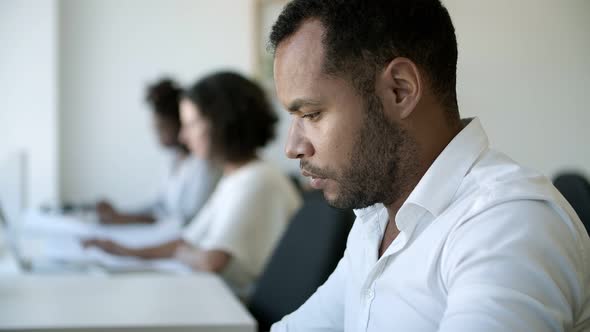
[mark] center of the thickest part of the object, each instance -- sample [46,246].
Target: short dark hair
[164,96]
[239,113]
[361,36]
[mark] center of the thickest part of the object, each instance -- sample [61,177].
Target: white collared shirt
[484,245]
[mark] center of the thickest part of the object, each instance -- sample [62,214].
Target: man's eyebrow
[299,103]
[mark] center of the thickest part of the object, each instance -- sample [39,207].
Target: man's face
[343,139]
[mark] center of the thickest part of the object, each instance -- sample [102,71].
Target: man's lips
[310,175]
[316,182]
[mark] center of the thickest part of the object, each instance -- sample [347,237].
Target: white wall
[524,69]
[110,50]
[28,93]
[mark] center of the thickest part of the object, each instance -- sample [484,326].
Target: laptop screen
[3,221]
[11,242]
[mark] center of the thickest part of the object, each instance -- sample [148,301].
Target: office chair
[305,257]
[576,190]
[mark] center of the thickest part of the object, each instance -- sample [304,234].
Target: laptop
[11,243]
[28,265]
[100,262]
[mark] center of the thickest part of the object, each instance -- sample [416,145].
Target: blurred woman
[190,180]
[227,119]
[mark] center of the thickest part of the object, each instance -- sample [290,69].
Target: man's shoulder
[495,179]
[496,185]
[500,194]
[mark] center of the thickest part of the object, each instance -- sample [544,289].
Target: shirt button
[370,294]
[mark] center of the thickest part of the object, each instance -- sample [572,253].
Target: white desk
[145,302]
[8,265]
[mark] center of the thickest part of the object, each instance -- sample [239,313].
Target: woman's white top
[245,217]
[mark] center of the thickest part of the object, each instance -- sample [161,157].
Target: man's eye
[311,116]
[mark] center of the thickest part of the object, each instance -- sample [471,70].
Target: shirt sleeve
[324,310]
[505,278]
[248,221]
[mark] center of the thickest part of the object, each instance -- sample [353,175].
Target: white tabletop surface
[8,265]
[146,302]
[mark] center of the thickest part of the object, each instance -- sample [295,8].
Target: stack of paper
[59,238]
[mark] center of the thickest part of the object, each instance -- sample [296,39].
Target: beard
[383,157]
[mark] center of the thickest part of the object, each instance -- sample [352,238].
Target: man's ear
[401,84]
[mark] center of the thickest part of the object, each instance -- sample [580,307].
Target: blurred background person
[227,119]
[190,179]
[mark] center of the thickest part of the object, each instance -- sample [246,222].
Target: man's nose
[298,146]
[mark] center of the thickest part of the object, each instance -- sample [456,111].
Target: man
[450,235]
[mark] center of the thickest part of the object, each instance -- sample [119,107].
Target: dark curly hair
[239,114]
[164,96]
[362,36]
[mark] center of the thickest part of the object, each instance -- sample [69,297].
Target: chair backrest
[576,189]
[305,257]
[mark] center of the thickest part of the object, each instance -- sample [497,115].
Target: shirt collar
[439,184]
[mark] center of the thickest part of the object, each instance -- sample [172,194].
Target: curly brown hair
[240,115]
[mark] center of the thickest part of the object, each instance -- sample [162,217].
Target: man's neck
[429,156]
